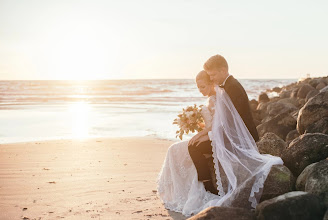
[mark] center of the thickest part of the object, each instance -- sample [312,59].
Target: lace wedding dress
[239,167]
[177,185]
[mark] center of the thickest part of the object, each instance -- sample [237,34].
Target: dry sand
[97,178]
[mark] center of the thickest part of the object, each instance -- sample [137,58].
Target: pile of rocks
[293,126]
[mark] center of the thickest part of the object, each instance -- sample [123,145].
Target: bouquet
[190,120]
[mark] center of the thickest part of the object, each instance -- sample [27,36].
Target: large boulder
[276,89]
[301,102]
[263,97]
[224,213]
[304,90]
[277,108]
[253,104]
[320,126]
[315,109]
[321,85]
[262,109]
[317,180]
[295,205]
[279,181]
[301,179]
[272,144]
[324,89]
[280,125]
[294,92]
[291,136]
[304,150]
[292,101]
[285,94]
[311,94]
[326,216]
[314,82]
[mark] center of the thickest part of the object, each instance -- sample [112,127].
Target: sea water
[45,110]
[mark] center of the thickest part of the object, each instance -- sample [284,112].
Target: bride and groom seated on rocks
[221,165]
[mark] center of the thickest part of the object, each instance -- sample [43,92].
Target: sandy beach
[98,178]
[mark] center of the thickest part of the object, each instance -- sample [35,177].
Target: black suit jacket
[239,98]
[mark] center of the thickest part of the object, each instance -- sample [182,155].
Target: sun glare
[79,114]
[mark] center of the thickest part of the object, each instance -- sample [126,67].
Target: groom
[217,68]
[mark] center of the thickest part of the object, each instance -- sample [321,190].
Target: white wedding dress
[177,185]
[240,169]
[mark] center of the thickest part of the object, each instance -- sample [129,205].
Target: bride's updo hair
[202,75]
[215,62]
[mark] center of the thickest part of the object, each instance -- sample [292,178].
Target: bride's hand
[202,139]
[194,139]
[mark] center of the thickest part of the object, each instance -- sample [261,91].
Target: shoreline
[52,139]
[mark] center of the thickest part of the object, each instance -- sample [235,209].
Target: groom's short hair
[215,62]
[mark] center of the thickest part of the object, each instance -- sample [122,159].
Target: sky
[129,39]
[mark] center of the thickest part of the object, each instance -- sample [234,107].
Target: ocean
[33,110]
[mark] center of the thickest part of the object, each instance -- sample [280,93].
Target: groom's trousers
[203,164]
[197,154]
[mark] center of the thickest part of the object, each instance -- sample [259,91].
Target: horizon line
[143,79]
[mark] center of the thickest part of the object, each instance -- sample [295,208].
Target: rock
[324,89]
[301,179]
[281,125]
[304,90]
[326,216]
[291,136]
[295,114]
[320,86]
[315,109]
[285,94]
[301,102]
[224,213]
[262,109]
[253,106]
[253,101]
[295,205]
[279,181]
[272,144]
[256,122]
[256,115]
[276,89]
[263,97]
[267,118]
[314,82]
[311,94]
[292,101]
[317,180]
[294,92]
[304,150]
[320,126]
[277,108]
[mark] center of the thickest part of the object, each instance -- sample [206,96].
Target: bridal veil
[239,167]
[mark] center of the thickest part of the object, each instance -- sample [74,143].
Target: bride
[240,169]
[178,185]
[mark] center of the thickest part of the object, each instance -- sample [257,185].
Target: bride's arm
[202,133]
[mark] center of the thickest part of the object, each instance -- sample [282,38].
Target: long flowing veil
[240,169]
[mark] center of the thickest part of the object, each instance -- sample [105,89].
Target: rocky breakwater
[293,126]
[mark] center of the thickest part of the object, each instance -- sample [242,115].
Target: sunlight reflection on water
[80,119]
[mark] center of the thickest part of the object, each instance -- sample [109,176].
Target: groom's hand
[202,139]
